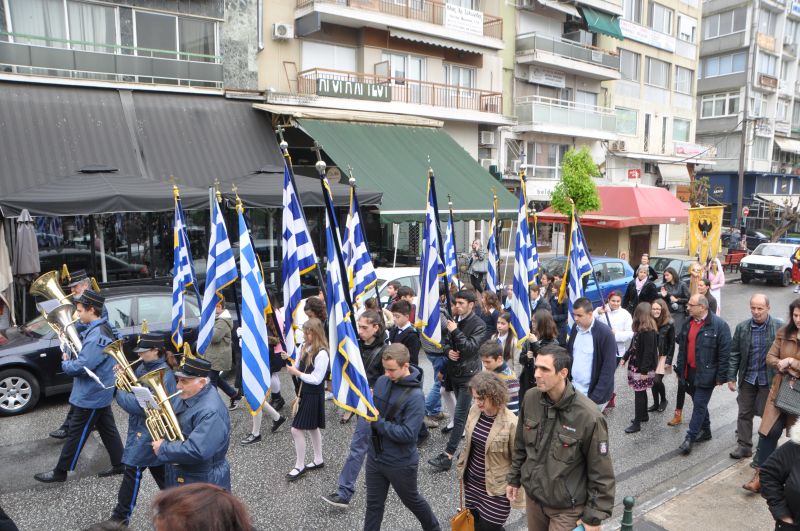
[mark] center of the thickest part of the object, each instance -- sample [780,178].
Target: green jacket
[561,454]
[740,349]
[218,352]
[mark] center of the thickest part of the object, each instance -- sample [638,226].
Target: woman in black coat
[640,289]
[666,348]
[560,314]
[642,359]
[676,294]
[780,482]
[545,333]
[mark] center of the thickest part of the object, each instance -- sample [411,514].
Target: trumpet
[161,422]
[125,377]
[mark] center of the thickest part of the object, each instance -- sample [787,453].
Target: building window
[92,23]
[660,18]
[633,10]
[767,64]
[680,129]
[790,31]
[796,116]
[722,65]
[629,65]
[460,76]
[767,21]
[758,104]
[545,159]
[188,39]
[469,4]
[93,27]
[762,148]
[719,105]
[323,55]
[627,121]
[402,66]
[585,99]
[782,112]
[687,28]
[724,23]
[657,73]
[683,80]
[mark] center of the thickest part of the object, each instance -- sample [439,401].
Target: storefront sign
[767,81]
[685,149]
[635,173]
[545,76]
[639,33]
[357,90]
[540,189]
[767,42]
[683,192]
[462,19]
[718,190]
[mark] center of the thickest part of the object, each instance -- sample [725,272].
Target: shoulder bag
[788,399]
[463,519]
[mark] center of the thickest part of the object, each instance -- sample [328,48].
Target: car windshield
[772,249]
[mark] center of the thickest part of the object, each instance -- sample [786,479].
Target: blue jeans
[433,402]
[359,445]
[701,396]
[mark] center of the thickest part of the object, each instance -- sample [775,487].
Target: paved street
[647,464]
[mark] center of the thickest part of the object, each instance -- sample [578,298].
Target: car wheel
[745,279]
[19,391]
[786,279]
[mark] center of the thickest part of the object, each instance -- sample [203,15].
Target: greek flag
[255,350]
[430,269]
[298,258]
[533,267]
[579,266]
[450,260]
[349,379]
[220,273]
[491,247]
[183,274]
[521,304]
[361,274]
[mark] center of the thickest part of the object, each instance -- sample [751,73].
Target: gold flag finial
[145,327]
[65,273]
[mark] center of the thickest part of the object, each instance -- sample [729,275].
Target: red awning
[628,206]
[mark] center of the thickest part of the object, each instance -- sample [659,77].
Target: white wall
[466,134]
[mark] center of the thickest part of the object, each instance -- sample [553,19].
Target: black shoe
[112,522]
[234,403]
[250,439]
[441,462]
[113,471]
[447,429]
[52,476]
[335,500]
[662,406]
[703,436]
[277,424]
[741,452]
[654,408]
[278,403]
[634,427]
[686,447]
[60,433]
[295,477]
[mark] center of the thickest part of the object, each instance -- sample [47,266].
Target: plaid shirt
[756,373]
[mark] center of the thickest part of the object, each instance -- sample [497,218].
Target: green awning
[602,22]
[394,160]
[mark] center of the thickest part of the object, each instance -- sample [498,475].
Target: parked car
[116,269]
[678,263]
[613,274]
[30,361]
[754,238]
[770,262]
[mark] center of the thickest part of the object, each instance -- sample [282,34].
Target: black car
[754,239]
[75,259]
[680,264]
[30,361]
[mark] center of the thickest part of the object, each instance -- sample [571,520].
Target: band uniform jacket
[138,451]
[200,458]
[86,392]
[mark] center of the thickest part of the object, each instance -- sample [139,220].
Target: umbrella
[26,255]
[6,277]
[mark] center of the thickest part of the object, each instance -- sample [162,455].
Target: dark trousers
[81,423]
[477,281]
[483,525]
[66,419]
[751,400]
[6,523]
[640,406]
[659,391]
[129,490]
[680,398]
[769,443]
[463,403]
[404,482]
[701,396]
[215,379]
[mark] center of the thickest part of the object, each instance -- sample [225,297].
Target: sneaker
[277,424]
[234,404]
[441,462]
[741,452]
[447,429]
[250,439]
[335,500]
[278,403]
[704,435]
[797,288]
[431,422]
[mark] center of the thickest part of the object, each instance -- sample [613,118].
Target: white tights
[275,383]
[274,415]
[300,446]
[449,403]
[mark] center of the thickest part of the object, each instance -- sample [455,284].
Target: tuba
[125,376]
[61,320]
[48,287]
[161,422]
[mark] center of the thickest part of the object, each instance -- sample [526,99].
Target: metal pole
[508,252]
[352,181]
[745,111]
[455,250]
[439,232]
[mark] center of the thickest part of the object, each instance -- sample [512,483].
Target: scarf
[640,284]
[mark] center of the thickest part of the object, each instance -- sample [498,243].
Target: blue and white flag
[183,274]
[579,266]
[450,260]
[298,259]
[533,267]
[348,378]
[491,248]
[255,349]
[520,303]
[220,273]
[361,273]
[430,269]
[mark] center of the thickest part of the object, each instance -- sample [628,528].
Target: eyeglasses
[690,304]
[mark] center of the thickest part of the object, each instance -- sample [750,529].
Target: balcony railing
[541,110]
[422,10]
[38,55]
[400,90]
[565,48]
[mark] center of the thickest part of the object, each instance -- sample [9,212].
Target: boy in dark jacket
[393,456]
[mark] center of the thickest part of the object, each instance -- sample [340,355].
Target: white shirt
[621,324]
[582,359]
[316,376]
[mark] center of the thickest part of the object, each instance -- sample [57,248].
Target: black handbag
[788,399]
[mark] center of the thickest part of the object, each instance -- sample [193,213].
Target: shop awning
[788,145]
[779,199]
[569,9]
[266,190]
[628,206]
[602,22]
[674,173]
[394,159]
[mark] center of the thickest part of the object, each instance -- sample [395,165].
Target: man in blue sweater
[593,350]
[393,458]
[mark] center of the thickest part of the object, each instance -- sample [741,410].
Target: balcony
[427,16]
[569,56]
[47,56]
[549,115]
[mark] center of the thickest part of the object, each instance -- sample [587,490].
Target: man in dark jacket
[593,351]
[461,343]
[704,346]
[748,369]
[393,457]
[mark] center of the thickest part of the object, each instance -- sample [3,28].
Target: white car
[406,276]
[769,261]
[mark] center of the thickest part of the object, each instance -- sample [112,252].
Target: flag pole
[179,205]
[352,181]
[579,230]
[439,228]
[455,250]
[496,241]
[220,204]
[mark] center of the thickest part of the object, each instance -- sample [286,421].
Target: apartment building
[749,51]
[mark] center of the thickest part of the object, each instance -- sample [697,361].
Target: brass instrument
[48,287]
[125,376]
[61,320]
[162,423]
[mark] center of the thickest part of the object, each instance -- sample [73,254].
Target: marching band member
[206,427]
[90,402]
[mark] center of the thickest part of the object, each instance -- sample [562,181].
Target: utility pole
[749,75]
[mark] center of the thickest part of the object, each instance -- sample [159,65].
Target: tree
[576,183]
[698,191]
[789,217]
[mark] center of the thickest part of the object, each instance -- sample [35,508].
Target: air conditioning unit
[487,138]
[282,31]
[486,163]
[582,36]
[616,145]
[515,165]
